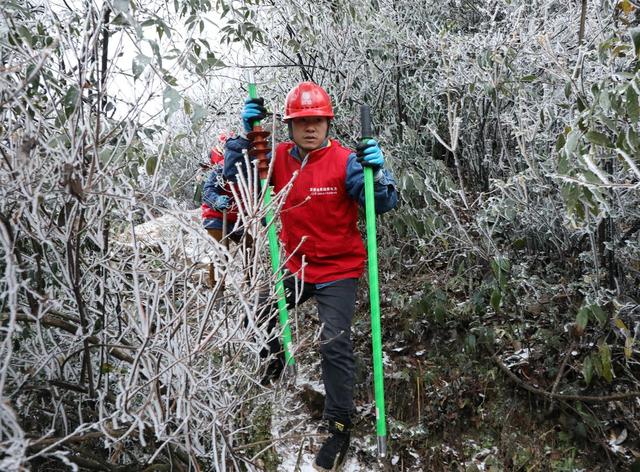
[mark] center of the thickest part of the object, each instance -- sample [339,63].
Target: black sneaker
[334,449]
[274,369]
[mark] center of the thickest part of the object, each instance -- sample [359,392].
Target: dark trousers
[336,304]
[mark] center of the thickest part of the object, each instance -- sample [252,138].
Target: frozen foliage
[111,340]
[512,128]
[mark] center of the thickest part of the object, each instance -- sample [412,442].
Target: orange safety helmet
[307,99]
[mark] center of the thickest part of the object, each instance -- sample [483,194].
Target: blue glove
[222,202]
[253,110]
[369,154]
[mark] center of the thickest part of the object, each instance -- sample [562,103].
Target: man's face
[309,132]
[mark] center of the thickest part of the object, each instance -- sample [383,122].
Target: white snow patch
[518,358]
[480,457]
[181,230]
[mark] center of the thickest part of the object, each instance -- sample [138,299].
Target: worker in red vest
[217,199]
[325,254]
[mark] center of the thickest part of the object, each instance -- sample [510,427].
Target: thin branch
[52,321]
[561,396]
[583,19]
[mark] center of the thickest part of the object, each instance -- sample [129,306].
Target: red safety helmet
[224,135]
[307,99]
[217,153]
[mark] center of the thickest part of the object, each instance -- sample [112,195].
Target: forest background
[510,271]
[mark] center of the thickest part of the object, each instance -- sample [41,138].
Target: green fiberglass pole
[374,293]
[274,250]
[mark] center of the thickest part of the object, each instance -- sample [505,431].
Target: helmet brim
[309,112]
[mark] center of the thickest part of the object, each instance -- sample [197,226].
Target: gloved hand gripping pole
[374,294]
[259,149]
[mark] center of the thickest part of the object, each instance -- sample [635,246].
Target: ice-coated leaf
[620,324]
[121,6]
[582,318]
[628,347]
[151,164]
[70,100]
[171,101]
[635,38]
[598,138]
[496,298]
[633,109]
[599,314]
[587,369]
[605,358]
[139,63]
[572,141]
[198,114]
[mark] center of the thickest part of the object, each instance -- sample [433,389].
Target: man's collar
[295,151]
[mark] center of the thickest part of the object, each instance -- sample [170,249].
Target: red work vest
[319,209]
[209,213]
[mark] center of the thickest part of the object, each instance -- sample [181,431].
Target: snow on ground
[291,418]
[166,230]
[163,228]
